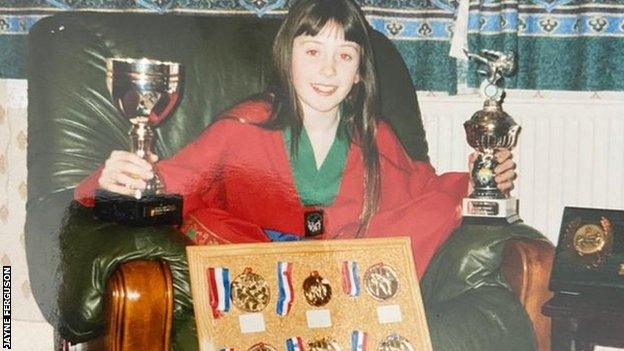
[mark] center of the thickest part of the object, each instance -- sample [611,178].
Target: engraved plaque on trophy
[489,129]
[144,91]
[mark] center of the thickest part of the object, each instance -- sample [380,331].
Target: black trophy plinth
[149,210]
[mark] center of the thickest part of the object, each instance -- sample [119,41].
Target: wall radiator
[570,150]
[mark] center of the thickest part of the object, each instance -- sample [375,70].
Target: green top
[317,186]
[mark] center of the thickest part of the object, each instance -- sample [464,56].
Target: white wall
[30,331]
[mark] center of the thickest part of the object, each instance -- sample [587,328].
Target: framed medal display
[359,294]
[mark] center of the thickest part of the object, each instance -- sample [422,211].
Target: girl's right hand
[126,173]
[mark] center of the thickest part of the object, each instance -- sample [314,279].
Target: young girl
[312,159]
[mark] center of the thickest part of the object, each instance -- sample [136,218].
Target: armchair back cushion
[73,125]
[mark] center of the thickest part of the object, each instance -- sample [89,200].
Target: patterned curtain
[422,32]
[560,44]
[420,29]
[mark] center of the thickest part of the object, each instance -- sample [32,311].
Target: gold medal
[250,292]
[317,290]
[590,241]
[381,282]
[395,342]
[323,344]
[261,346]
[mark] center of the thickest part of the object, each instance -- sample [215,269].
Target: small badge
[250,292]
[381,282]
[323,344]
[314,223]
[262,346]
[395,342]
[317,290]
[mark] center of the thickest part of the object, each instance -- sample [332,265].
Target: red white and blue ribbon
[219,286]
[285,288]
[294,344]
[350,279]
[358,341]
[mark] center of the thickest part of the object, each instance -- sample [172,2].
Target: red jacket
[236,181]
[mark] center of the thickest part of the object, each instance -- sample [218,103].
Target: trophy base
[502,211]
[150,210]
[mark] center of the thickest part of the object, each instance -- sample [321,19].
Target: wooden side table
[580,322]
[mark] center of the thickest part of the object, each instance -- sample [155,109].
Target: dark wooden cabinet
[580,322]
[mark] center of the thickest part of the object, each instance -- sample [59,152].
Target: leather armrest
[139,298]
[526,266]
[92,251]
[465,286]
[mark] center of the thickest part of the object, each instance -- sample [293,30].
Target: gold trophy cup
[489,129]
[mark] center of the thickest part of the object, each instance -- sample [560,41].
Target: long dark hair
[360,108]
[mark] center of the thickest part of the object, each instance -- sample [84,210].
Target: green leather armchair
[119,288]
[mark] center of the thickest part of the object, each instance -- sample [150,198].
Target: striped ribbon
[285,287]
[219,286]
[358,341]
[294,344]
[226,349]
[350,279]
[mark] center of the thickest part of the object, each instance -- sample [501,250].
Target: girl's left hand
[505,173]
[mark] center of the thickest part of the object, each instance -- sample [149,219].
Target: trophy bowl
[144,91]
[489,129]
[143,88]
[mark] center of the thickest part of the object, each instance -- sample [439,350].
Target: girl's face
[324,68]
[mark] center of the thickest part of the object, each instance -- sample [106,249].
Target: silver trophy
[144,91]
[489,129]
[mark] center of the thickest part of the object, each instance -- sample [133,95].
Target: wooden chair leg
[139,307]
[526,266]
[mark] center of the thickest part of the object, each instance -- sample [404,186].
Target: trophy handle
[158,114]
